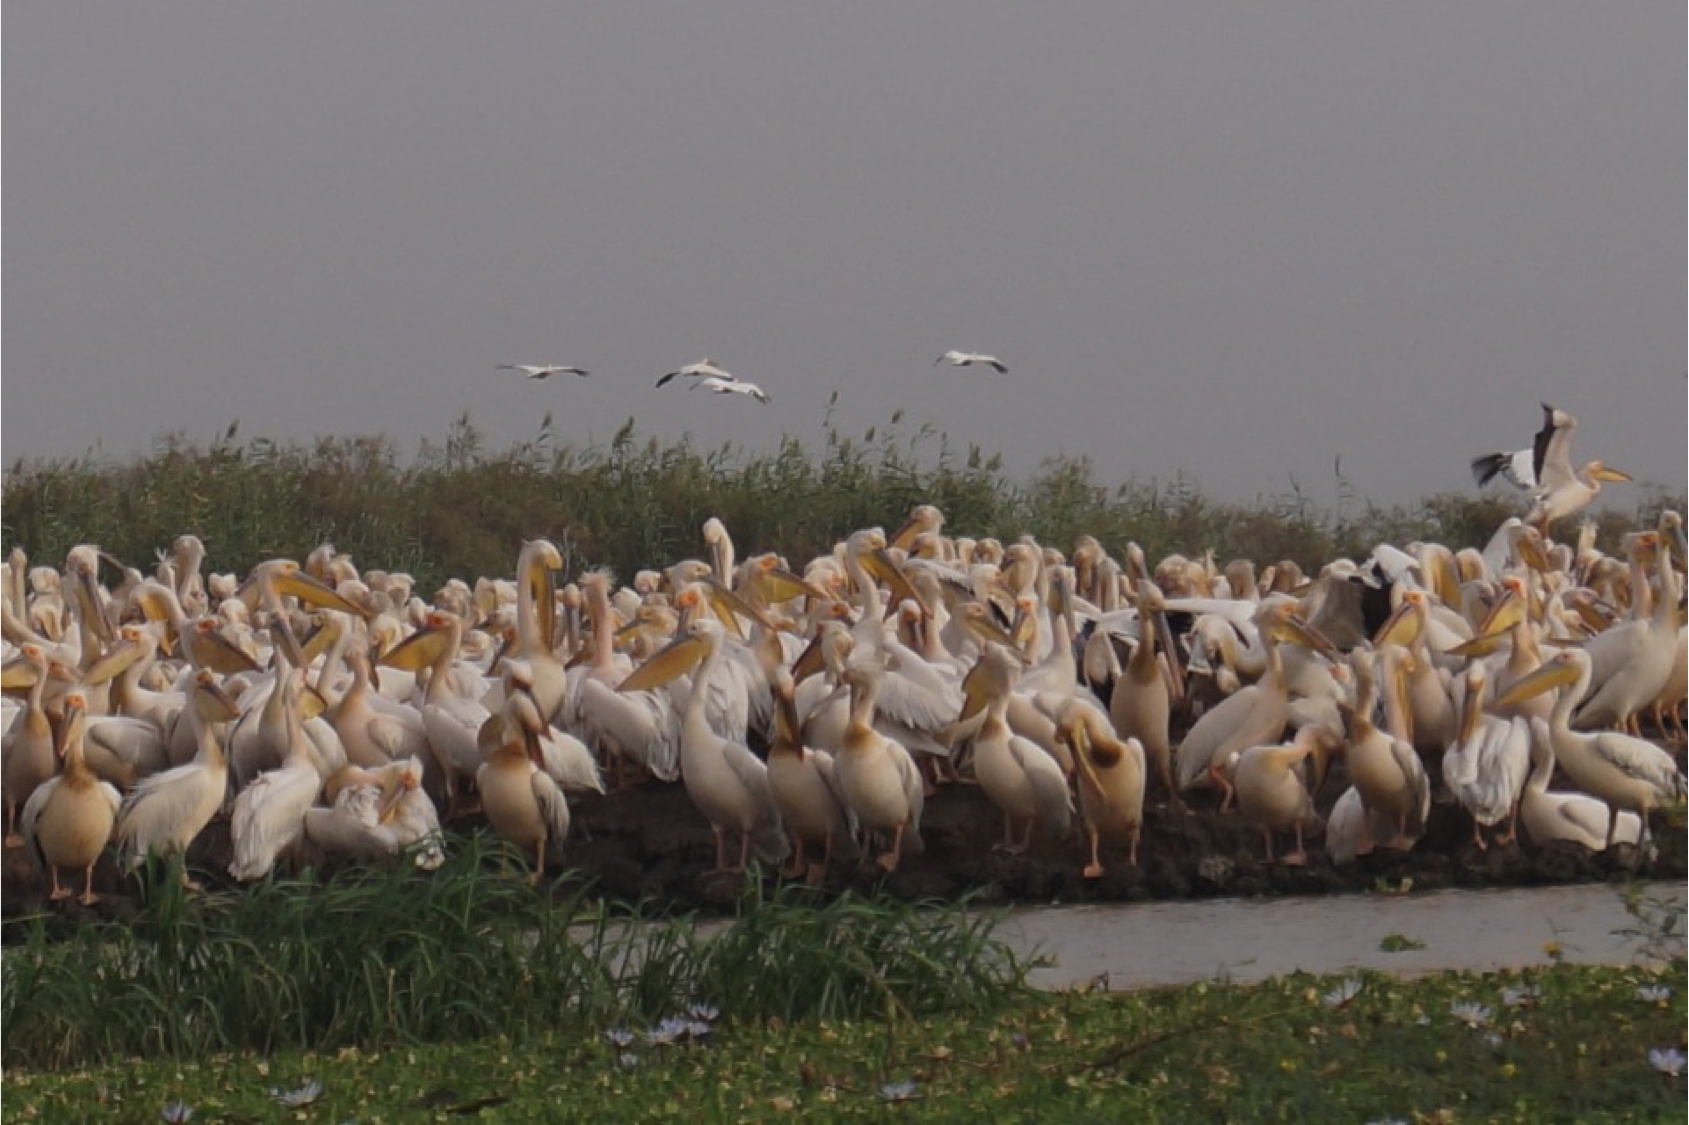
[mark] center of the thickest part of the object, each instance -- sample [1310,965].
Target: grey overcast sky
[1231,239]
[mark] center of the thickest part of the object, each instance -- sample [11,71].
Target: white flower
[628,1060]
[903,1091]
[1493,1039]
[1667,1060]
[1344,992]
[1653,993]
[1519,997]
[177,1113]
[1471,1014]
[294,1099]
[705,1012]
[620,1037]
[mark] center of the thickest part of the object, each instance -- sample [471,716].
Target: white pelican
[805,788]
[1637,655]
[1387,773]
[544,370]
[269,814]
[1557,489]
[1111,781]
[68,820]
[968,359]
[726,782]
[164,812]
[523,803]
[1142,700]
[703,369]
[1577,817]
[1486,766]
[1019,777]
[28,746]
[451,721]
[730,386]
[1271,793]
[1626,772]
[877,777]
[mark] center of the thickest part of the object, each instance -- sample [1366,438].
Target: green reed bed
[460,509]
[376,957]
[1566,1043]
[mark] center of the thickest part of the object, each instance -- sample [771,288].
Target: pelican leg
[1300,856]
[720,852]
[13,840]
[797,865]
[58,891]
[744,850]
[1478,837]
[1094,869]
[1267,842]
[1218,777]
[1512,833]
[889,860]
[89,898]
[1135,832]
[539,863]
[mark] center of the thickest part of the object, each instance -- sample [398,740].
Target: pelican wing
[167,810]
[642,724]
[569,763]
[553,809]
[1641,760]
[1049,787]
[269,815]
[32,817]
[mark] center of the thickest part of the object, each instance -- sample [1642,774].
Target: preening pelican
[1111,781]
[544,371]
[968,359]
[703,369]
[1487,764]
[730,386]
[1271,793]
[523,802]
[269,814]
[805,788]
[1577,817]
[69,819]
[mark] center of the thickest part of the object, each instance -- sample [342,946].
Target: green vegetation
[378,957]
[1560,1044]
[460,510]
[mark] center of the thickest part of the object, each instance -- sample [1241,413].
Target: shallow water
[1247,940]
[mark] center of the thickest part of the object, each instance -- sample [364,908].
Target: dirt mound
[650,844]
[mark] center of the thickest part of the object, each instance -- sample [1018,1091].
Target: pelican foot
[13,840]
[59,895]
[1295,859]
[88,899]
[1093,871]
[889,862]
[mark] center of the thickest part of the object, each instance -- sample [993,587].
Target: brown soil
[649,844]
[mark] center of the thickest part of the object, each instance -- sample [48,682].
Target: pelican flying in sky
[703,369]
[968,359]
[544,371]
[730,386]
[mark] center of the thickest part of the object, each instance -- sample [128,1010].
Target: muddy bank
[650,844]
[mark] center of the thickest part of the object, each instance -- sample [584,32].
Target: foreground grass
[1566,1043]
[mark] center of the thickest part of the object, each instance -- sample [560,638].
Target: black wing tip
[667,377]
[1485,468]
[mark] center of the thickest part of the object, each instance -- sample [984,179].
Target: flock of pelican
[810,711]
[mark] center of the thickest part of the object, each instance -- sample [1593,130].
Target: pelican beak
[213,650]
[1482,645]
[1471,710]
[904,536]
[809,662]
[1401,629]
[1507,612]
[75,718]
[417,651]
[87,591]
[309,590]
[1608,473]
[115,662]
[1296,629]
[779,585]
[213,703]
[392,792]
[1530,550]
[882,566]
[728,606]
[986,629]
[18,674]
[1164,636]
[1552,675]
[680,656]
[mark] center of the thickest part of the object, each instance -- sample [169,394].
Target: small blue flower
[1667,1060]
[620,1037]
[1654,993]
[903,1091]
[627,1060]
[177,1113]
[669,1031]
[697,1029]
[1021,1042]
